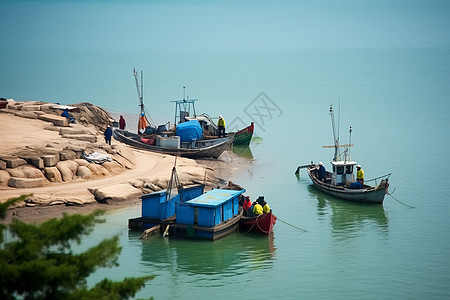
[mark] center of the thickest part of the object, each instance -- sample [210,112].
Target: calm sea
[384,65]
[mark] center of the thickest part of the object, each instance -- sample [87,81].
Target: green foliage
[38,262]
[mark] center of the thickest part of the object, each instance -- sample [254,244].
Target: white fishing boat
[340,181]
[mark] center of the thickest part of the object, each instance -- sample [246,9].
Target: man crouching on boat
[322,173]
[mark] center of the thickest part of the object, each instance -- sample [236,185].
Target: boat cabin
[209,209]
[342,172]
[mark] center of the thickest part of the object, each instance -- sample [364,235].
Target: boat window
[340,170]
[334,168]
[349,169]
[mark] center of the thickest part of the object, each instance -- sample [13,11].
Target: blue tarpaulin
[189,131]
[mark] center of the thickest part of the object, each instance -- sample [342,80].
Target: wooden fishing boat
[367,194]
[260,224]
[185,111]
[209,216]
[244,136]
[340,182]
[199,149]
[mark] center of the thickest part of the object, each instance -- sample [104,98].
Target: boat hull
[244,136]
[262,224]
[206,148]
[206,233]
[368,194]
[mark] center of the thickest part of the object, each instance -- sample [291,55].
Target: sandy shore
[18,133]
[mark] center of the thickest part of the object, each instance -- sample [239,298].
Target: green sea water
[385,67]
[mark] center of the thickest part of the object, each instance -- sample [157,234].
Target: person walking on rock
[108,135]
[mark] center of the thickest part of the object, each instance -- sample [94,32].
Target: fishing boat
[186,140]
[185,111]
[209,216]
[244,136]
[171,145]
[340,181]
[259,224]
[158,208]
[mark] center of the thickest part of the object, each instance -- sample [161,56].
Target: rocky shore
[44,155]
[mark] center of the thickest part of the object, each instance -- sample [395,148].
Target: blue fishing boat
[209,216]
[158,208]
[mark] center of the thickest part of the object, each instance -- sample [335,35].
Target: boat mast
[140,92]
[335,137]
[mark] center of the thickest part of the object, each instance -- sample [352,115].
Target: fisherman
[68,116]
[142,124]
[360,174]
[257,209]
[322,173]
[250,210]
[266,207]
[108,134]
[246,205]
[221,125]
[122,123]
[356,185]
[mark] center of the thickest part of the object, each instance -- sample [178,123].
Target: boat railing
[211,122]
[376,179]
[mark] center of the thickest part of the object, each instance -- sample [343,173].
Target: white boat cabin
[342,172]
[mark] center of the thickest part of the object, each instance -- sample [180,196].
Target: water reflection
[230,255]
[243,151]
[347,217]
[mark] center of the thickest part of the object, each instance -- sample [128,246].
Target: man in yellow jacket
[360,174]
[257,209]
[221,125]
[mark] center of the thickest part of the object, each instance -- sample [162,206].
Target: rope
[251,227]
[304,230]
[387,192]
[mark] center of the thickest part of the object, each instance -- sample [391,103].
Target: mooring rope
[387,192]
[250,227]
[291,225]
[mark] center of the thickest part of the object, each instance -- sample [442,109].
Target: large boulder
[52,174]
[84,172]
[16,173]
[67,155]
[113,167]
[98,171]
[81,162]
[26,183]
[26,171]
[4,178]
[115,193]
[13,161]
[50,160]
[68,169]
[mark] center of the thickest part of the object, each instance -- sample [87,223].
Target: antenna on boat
[349,141]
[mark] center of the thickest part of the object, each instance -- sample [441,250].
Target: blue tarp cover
[189,131]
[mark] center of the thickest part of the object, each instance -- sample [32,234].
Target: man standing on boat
[360,174]
[221,125]
[142,124]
